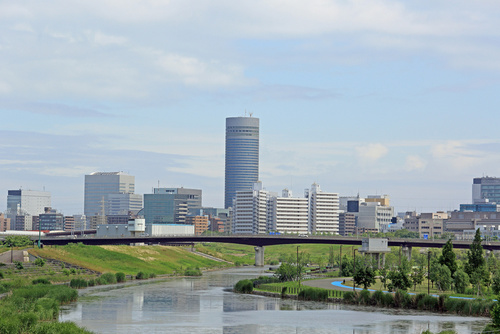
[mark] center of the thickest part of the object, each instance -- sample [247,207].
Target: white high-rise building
[26,203]
[111,192]
[250,210]
[323,210]
[288,214]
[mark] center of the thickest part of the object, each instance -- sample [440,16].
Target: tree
[399,277]
[417,277]
[496,283]
[286,272]
[461,281]
[448,257]
[475,258]
[383,276]
[365,276]
[443,278]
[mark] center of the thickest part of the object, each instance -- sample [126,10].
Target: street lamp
[354,266]
[298,270]
[428,272]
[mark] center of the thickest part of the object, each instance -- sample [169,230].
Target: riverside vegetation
[33,303]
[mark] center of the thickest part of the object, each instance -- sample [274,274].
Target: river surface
[203,305]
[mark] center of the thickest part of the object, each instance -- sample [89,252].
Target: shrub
[428,303]
[120,277]
[364,297]
[91,282]
[193,272]
[153,275]
[313,294]
[19,265]
[66,272]
[78,283]
[402,299]
[349,297]
[141,275]
[1,275]
[40,281]
[378,298]
[273,262]
[388,300]
[244,286]
[107,278]
[73,271]
[40,262]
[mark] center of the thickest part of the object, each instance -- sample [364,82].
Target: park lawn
[130,260]
[422,288]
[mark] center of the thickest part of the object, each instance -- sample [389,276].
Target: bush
[40,281]
[66,272]
[40,262]
[120,277]
[107,278]
[1,275]
[19,265]
[244,286]
[388,300]
[141,275]
[428,303]
[364,297]
[153,275]
[402,299]
[349,297]
[378,298]
[91,282]
[78,283]
[273,262]
[314,294]
[192,272]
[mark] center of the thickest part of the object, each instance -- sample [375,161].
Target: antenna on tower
[251,114]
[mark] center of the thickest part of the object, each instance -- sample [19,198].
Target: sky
[364,96]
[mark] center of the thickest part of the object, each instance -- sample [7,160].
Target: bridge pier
[407,252]
[259,256]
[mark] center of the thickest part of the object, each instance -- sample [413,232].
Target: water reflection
[203,306]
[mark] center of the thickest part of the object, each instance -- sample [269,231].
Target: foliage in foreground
[421,301]
[34,309]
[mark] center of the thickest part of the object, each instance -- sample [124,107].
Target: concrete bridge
[261,241]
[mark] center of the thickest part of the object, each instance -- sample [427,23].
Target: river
[203,305]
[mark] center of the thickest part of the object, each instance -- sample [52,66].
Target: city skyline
[375,97]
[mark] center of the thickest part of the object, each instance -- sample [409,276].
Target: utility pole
[354,266]
[298,270]
[428,272]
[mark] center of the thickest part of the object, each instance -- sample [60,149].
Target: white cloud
[414,162]
[196,72]
[371,152]
[105,39]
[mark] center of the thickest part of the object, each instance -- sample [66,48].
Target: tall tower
[242,156]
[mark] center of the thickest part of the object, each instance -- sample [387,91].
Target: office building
[347,223]
[486,188]
[323,211]
[194,197]
[200,223]
[164,208]
[50,220]
[109,193]
[26,202]
[288,214]
[373,216]
[242,156]
[4,223]
[250,211]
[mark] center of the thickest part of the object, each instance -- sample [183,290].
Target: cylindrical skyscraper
[242,156]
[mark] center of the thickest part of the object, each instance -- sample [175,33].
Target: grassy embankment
[241,254]
[160,260]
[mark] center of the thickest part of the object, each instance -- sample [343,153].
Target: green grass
[130,260]
[246,254]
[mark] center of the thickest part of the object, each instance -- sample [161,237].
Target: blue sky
[375,97]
